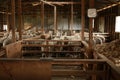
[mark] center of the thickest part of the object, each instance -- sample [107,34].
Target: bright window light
[5,27]
[117,24]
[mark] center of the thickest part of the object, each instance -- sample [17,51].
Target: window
[5,27]
[117,24]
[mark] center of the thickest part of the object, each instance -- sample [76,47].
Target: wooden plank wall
[109,26]
[25,70]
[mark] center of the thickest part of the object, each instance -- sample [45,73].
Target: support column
[69,24]
[7,21]
[55,20]
[82,18]
[91,5]
[42,17]
[37,26]
[71,20]
[20,19]
[13,20]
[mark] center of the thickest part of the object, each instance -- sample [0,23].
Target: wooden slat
[39,51]
[76,73]
[76,61]
[39,45]
[34,40]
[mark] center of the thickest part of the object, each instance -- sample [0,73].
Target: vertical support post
[113,29]
[20,19]
[94,69]
[91,5]
[90,34]
[55,20]
[37,26]
[3,22]
[7,19]
[71,20]
[42,17]
[83,17]
[13,20]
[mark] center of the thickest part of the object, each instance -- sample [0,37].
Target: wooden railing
[47,69]
[93,69]
[18,49]
[114,71]
[51,46]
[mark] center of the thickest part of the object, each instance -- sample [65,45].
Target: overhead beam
[63,3]
[47,3]
[110,6]
[50,2]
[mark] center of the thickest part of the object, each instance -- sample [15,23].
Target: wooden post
[13,20]
[2,21]
[20,19]
[83,17]
[91,5]
[7,18]
[68,21]
[71,20]
[37,26]
[42,16]
[55,20]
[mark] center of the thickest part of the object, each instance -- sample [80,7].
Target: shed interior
[59,39]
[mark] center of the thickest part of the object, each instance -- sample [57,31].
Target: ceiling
[33,5]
